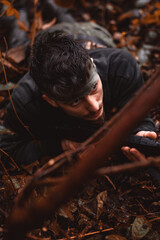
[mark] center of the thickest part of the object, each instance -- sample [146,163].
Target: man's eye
[94,87]
[75,102]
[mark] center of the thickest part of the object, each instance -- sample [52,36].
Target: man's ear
[49,100]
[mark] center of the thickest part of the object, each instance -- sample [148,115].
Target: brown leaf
[83,219]
[84,3]
[115,237]
[15,54]
[22,26]
[4,130]
[12,66]
[56,228]
[12,11]
[18,182]
[129,14]
[1,99]
[50,24]
[65,212]
[4,2]
[65,3]
[101,199]
[157,5]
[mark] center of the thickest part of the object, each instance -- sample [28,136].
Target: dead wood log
[119,127]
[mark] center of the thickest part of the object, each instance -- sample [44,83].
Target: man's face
[89,107]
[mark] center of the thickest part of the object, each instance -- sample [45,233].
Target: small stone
[117,36]
[152,35]
[109,7]
[143,55]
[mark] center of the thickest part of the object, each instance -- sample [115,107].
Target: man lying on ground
[68,94]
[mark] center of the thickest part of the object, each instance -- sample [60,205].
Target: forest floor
[117,207]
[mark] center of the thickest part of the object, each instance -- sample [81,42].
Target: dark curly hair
[59,65]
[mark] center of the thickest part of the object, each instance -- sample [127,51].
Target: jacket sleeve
[22,146]
[19,148]
[125,81]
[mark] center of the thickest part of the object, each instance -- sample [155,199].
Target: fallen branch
[129,166]
[111,136]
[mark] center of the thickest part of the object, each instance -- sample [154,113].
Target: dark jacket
[121,78]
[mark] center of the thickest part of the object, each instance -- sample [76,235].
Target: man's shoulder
[26,91]
[113,61]
[111,53]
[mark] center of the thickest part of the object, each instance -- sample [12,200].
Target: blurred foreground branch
[90,156]
[129,166]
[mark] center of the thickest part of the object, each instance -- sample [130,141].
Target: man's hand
[132,153]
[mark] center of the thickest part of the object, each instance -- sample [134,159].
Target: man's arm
[23,146]
[128,79]
[24,149]
[21,149]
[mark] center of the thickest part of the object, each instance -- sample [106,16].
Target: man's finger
[128,154]
[149,134]
[137,154]
[152,135]
[133,154]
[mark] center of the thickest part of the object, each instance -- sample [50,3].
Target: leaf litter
[129,207]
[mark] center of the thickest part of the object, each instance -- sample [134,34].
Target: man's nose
[92,103]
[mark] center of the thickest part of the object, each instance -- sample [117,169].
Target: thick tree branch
[114,133]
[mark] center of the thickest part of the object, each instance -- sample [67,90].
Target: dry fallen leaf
[16,54]
[141,226]
[101,199]
[115,237]
[23,26]
[1,99]
[12,11]
[65,3]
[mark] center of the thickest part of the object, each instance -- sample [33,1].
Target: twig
[142,207]
[155,219]
[38,176]
[6,45]
[14,189]
[33,27]
[88,234]
[109,180]
[15,164]
[5,214]
[30,236]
